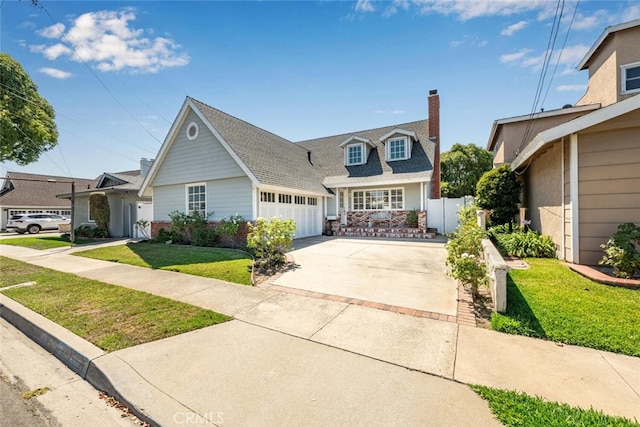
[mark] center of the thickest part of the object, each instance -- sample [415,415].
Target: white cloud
[398,112]
[572,88]
[55,73]
[631,13]
[596,20]
[106,40]
[54,31]
[568,58]
[365,6]
[392,9]
[516,56]
[513,28]
[469,9]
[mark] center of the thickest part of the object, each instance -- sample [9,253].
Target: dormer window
[398,144]
[356,150]
[630,75]
[397,149]
[354,154]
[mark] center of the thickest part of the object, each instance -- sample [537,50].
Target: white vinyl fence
[442,214]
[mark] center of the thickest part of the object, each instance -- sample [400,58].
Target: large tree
[461,169]
[27,121]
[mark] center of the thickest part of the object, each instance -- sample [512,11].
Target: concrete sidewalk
[290,359]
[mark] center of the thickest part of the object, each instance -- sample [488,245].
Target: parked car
[33,223]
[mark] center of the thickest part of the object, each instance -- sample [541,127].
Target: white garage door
[305,211]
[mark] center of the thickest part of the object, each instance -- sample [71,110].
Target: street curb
[76,353]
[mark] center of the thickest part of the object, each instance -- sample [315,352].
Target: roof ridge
[50,176]
[361,131]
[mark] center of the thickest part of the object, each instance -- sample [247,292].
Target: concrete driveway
[402,273]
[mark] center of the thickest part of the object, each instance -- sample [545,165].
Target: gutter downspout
[562,203]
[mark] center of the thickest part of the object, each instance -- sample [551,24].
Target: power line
[545,65]
[102,83]
[564,43]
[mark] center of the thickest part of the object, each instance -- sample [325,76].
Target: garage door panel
[307,217]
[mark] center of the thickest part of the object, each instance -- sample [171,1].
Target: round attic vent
[192,131]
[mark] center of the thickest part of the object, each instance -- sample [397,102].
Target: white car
[33,223]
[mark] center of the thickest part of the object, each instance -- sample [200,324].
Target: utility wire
[102,83]
[24,98]
[545,65]
[564,43]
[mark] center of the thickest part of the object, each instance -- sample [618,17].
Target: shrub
[90,232]
[184,225]
[269,240]
[523,243]
[229,234]
[471,271]
[100,212]
[204,237]
[621,251]
[464,250]
[498,191]
[141,226]
[165,236]
[412,218]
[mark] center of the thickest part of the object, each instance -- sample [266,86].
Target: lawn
[109,316]
[216,263]
[515,409]
[42,242]
[550,301]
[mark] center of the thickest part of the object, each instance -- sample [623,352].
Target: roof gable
[604,36]
[577,125]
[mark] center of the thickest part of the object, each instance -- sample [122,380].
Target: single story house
[126,207]
[581,173]
[220,165]
[24,193]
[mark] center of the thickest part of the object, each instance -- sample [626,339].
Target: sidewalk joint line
[636,392]
[332,319]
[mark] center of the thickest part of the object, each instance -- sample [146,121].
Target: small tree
[100,212]
[498,191]
[462,167]
[621,251]
[269,240]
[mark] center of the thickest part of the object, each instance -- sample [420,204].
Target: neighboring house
[33,193]
[581,166]
[216,164]
[126,207]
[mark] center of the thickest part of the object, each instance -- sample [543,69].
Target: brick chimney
[434,136]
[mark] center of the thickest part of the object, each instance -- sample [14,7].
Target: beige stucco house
[581,165]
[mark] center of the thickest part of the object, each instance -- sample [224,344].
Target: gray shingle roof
[272,159]
[39,192]
[329,157]
[131,181]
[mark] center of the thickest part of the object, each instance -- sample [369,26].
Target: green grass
[42,242]
[515,409]
[224,264]
[550,301]
[111,317]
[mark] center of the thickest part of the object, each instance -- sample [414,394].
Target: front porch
[385,232]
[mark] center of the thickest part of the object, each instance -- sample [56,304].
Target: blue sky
[118,72]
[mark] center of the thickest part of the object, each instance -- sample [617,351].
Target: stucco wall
[619,49]
[543,194]
[609,183]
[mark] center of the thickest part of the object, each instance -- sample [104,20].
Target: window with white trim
[355,154]
[91,219]
[630,75]
[397,149]
[197,198]
[378,199]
